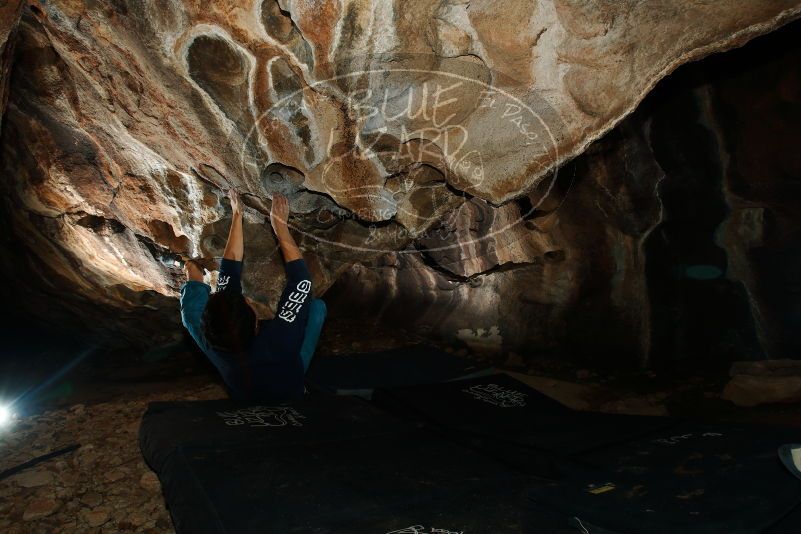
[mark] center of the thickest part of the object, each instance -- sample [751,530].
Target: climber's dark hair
[228,322]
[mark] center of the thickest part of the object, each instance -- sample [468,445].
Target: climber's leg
[311,336]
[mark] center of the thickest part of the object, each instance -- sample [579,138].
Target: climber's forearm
[289,248]
[194,272]
[235,247]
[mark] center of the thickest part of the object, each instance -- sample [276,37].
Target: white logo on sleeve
[290,309]
[222,281]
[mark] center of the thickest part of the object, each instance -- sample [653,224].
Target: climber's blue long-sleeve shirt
[272,368]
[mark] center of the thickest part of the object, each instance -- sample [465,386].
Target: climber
[258,360]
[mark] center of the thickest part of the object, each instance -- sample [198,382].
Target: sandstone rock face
[9,17]
[422,136]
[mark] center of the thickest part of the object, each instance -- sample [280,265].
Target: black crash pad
[789,523]
[225,423]
[364,372]
[324,464]
[693,478]
[503,413]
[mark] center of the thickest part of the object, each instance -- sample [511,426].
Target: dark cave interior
[672,292]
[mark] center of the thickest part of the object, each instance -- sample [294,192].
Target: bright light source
[5,415]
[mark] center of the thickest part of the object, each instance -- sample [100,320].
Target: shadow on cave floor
[46,373]
[42,370]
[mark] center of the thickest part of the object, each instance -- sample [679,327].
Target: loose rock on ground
[104,486]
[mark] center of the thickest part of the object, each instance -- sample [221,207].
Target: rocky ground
[103,486]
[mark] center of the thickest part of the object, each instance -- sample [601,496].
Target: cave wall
[566,279]
[757,118]
[10,12]
[423,146]
[672,240]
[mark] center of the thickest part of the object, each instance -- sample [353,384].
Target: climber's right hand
[236,201]
[279,214]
